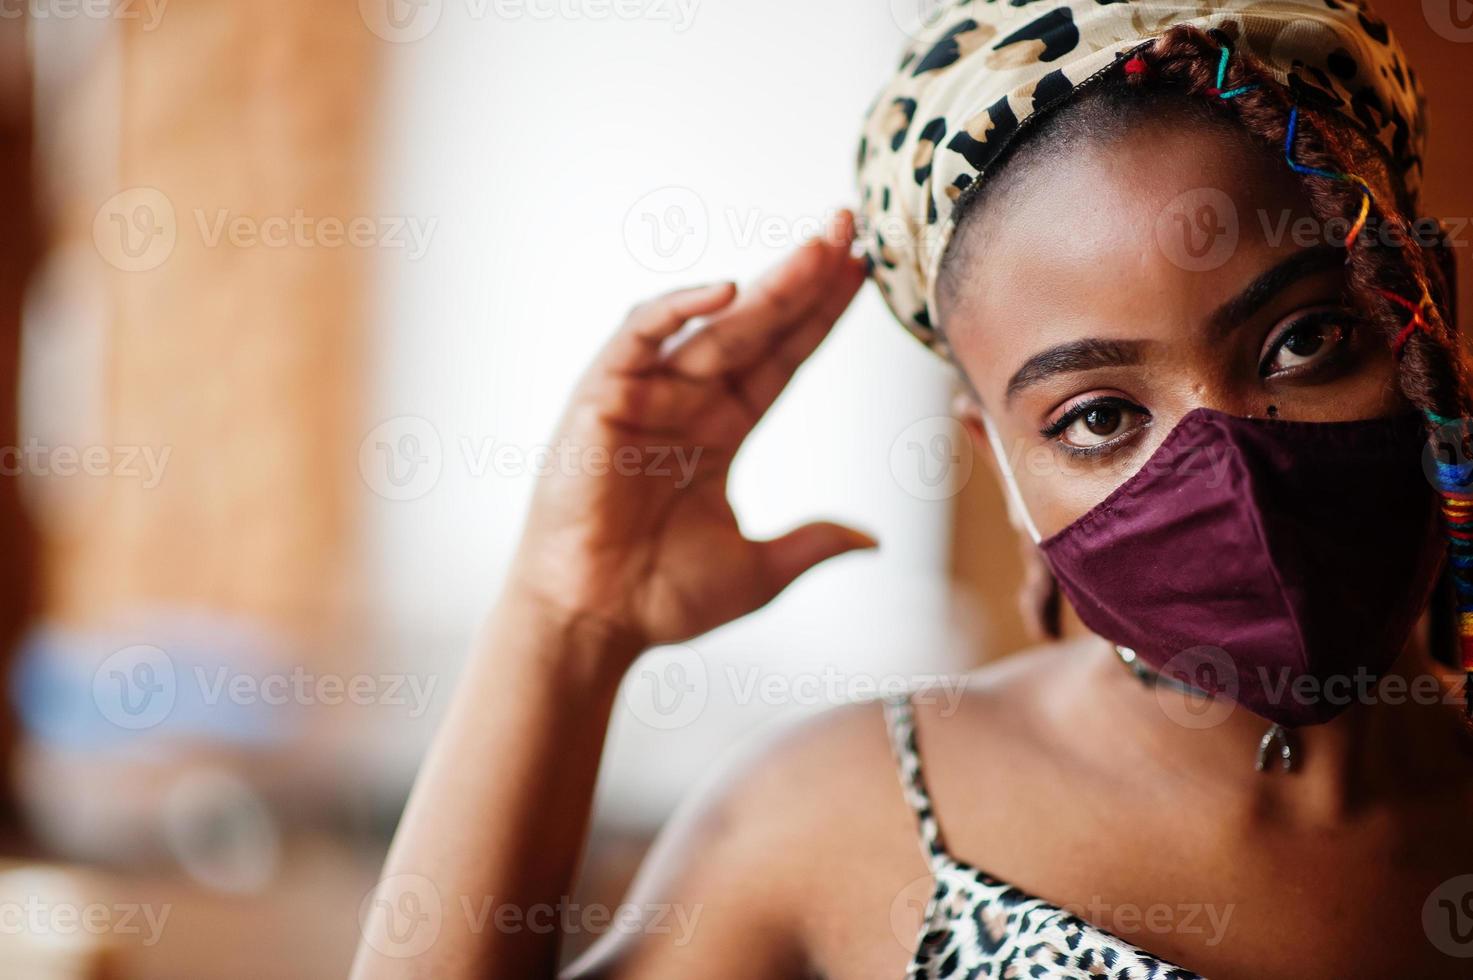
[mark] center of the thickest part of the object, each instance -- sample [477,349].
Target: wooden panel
[239,358]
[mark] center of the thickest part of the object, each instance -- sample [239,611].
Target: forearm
[498,815]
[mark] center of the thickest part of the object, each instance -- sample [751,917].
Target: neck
[1401,737]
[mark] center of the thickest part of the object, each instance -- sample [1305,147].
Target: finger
[768,379]
[789,556]
[636,346]
[733,342]
[747,396]
[650,401]
[769,307]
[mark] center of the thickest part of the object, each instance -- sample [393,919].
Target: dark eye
[1097,423]
[1102,420]
[1306,343]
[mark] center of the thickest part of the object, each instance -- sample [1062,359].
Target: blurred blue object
[155,681]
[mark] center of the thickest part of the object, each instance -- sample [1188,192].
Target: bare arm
[631,554]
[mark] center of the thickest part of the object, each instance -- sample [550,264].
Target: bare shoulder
[801,853]
[788,860]
[1008,759]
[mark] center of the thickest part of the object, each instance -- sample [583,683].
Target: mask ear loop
[1016,506]
[1041,600]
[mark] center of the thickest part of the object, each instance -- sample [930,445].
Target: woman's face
[1106,294]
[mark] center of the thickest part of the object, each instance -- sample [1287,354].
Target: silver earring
[1276,735]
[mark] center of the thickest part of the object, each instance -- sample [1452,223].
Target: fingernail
[835,232]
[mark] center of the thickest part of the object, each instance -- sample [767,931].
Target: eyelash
[1057,427]
[1338,317]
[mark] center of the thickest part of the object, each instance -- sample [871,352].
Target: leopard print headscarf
[980,69]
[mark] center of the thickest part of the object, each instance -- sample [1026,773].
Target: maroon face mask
[1282,564]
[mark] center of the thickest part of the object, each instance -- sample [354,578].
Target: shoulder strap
[900,719]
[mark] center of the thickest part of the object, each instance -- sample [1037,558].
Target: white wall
[534,143]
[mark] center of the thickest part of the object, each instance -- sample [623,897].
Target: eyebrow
[1076,355]
[1269,284]
[1095,352]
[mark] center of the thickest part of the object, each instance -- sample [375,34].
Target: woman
[1217,449]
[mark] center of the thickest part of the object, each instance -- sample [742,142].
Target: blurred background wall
[291,296]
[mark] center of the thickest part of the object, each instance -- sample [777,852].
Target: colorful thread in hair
[1455,485]
[1299,168]
[1365,189]
[1136,65]
[1417,322]
[1217,89]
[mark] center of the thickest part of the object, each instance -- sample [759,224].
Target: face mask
[1280,564]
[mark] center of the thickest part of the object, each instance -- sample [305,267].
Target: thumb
[794,553]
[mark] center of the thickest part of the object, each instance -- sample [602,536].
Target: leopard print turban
[979,70]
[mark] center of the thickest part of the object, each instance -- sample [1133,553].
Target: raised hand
[643,540]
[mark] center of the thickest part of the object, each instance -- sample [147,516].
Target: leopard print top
[977,926]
